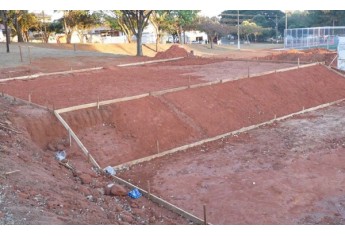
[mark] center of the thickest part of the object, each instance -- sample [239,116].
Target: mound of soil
[173,51]
[310,55]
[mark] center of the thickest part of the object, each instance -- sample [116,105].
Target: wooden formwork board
[28,77]
[76,139]
[242,130]
[150,62]
[161,92]
[162,202]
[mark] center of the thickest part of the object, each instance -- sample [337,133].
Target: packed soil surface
[114,82]
[287,173]
[290,172]
[41,191]
[126,131]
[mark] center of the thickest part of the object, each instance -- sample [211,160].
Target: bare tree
[136,20]
[213,28]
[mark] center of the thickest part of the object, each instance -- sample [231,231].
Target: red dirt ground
[115,82]
[287,173]
[290,190]
[310,55]
[44,192]
[133,128]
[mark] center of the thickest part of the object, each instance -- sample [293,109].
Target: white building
[2,36]
[194,37]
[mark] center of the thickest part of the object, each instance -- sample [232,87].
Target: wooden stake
[248,71]
[30,97]
[188,80]
[298,62]
[157,146]
[148,189]
[20,52]
[29,54]
[275,117]
[205,220]
[12,172]
[98,102]
[70,138]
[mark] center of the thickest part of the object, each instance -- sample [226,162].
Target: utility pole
[285,31]
[277,27]
[238,30]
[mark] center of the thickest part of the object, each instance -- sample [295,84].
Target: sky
[209,7]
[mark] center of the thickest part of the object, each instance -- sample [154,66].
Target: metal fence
[326,37]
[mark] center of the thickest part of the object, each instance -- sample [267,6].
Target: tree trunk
[211,42]
[7,34]
[69,37]
[180,34]
[18,29]
[139,44]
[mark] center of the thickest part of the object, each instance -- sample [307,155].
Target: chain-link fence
[326,37]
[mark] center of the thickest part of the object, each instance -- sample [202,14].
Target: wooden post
[275,117]
[188,80]
[30,97]
[20,52]
[298,62]
[248,71]
[29,52]
[148,189]
[70,138]
[157,146]
[205,220]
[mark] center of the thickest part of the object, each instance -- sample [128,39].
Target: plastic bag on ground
[109,170]
[60,155]
[135,193]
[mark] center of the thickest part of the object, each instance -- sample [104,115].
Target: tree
[250,28]
[160,21]
[136,20]
[212,28]
[115,19]
[183,20]
[27,22]
[263,18]
[326,18]
[78,20]
[3,15]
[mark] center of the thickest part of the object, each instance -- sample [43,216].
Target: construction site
[221,136]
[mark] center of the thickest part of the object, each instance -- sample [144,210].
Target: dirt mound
[309,55]
[173,51]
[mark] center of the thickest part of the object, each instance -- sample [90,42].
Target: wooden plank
[162,202]
[28,77]
[242,130]
[149,62]
[157,93]
[76,139]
